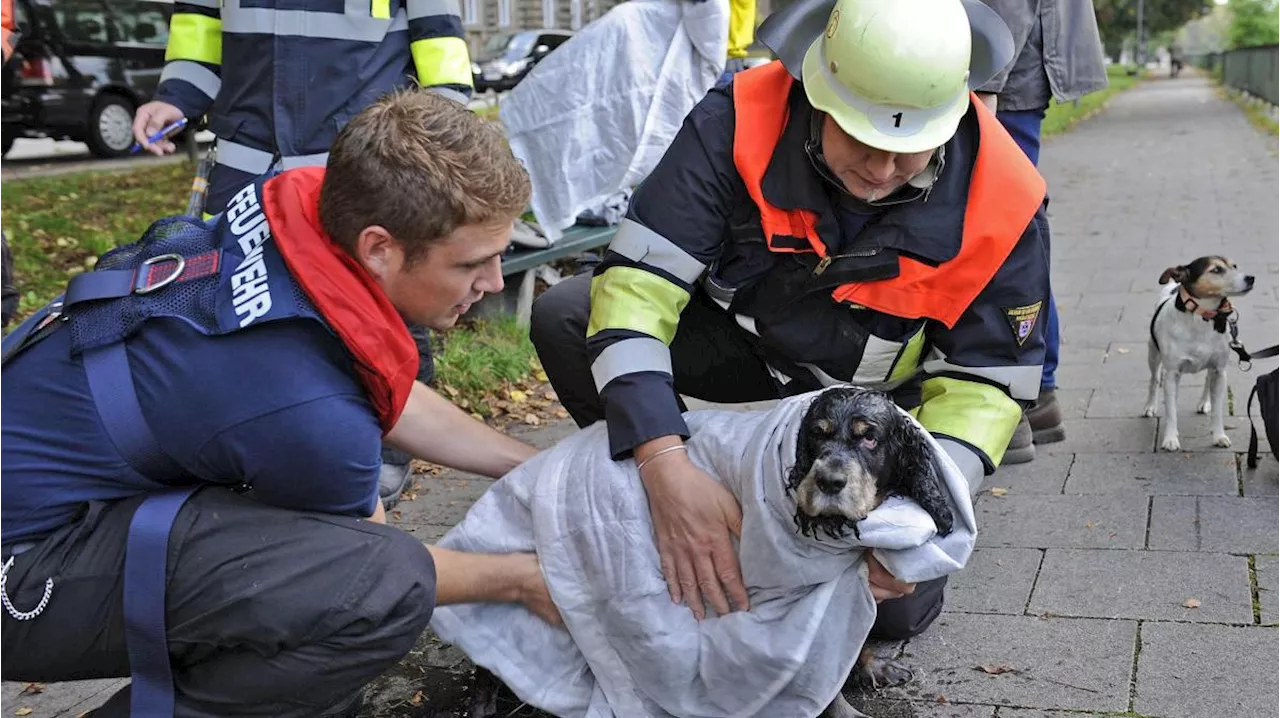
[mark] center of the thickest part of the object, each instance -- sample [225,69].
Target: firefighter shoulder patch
[1023,320]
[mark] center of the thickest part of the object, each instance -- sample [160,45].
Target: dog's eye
[1217,270]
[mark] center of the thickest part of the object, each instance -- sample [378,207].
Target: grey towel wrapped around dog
[629,651]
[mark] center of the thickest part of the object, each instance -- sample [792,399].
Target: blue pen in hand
[164,132]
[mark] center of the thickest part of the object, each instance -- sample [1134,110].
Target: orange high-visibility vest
[7,27]
[1005,191]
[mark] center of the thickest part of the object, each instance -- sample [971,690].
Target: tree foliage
[1118,19]
[1253,22]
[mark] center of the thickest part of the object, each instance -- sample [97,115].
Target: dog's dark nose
[829,483]
[1248,280]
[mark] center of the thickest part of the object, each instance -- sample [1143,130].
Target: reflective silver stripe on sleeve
[243,158]
[641,244]
[316,160]
[427,8]
[306,23]
[450,93]
[1023,382]
[628,357]
[204,79]
[877,360]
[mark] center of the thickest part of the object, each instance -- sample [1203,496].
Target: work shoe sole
[392,480]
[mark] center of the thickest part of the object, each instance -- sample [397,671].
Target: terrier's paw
[1171,444]
[1222,440]
[1203,408]
[1149,412]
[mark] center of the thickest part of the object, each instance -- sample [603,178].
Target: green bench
[517,297]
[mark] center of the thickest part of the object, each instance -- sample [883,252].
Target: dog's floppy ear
[914,475]
[1178,274]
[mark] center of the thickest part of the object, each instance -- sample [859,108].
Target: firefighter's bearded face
[436,285]
[868,173]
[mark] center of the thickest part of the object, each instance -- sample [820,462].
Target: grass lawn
[58,226]
[1062,115]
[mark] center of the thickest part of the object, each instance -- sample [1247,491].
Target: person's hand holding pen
[153,124]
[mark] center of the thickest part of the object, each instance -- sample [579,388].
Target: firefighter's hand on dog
[533,591]
[883,584]
[150,119]
[694,520]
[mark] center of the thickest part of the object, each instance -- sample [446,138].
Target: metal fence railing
[1255,70]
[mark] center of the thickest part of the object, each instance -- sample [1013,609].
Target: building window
[549,13]
[504,13]
[471,12]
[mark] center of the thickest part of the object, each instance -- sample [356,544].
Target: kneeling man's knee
[907,617]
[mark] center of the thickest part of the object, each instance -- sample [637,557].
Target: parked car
[506,59]
[80,69]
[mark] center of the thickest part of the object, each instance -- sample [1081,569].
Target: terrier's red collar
[1188,303]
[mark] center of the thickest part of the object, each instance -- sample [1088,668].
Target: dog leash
[1242,354]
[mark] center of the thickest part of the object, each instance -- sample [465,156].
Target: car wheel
[110,131]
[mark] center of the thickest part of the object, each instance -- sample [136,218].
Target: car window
[552,41]
[82,20]
[143,23]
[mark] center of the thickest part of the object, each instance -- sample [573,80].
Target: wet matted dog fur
[1190,334]
[855,449]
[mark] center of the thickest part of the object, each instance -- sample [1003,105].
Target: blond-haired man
[265,349]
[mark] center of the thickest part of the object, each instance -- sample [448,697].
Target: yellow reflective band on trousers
[442,61]
[909,358]
[980,414]
[381,9]
[631,298]
[194,37]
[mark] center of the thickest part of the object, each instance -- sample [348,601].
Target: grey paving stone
[1037,713]
[1228,524]
[1238,525]
[996,580]
[1268,576]
[1073,663]
[1144,584]
[1043,521]
[1175,524]
[1262,481]
[1102,436]
[1130,402]
[879,706]
[441,499]
[59,700]
[1199,671]
[1172,474]
[1194,434]
[1045,475]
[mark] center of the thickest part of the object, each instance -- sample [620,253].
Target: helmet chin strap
[917,187]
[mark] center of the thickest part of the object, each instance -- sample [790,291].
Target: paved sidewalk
[1089,556]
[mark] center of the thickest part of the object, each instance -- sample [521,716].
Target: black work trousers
[270,612]
[712,359]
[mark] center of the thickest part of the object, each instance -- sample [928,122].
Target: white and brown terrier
[1189,334]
